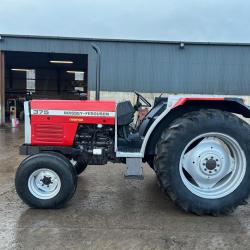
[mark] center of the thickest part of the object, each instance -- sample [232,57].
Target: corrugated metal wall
[203,69]
[154,67]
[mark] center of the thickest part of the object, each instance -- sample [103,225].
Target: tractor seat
[125,113]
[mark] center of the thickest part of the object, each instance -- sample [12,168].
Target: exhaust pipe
[98,70]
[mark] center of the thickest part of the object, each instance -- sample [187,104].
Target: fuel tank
[55,122]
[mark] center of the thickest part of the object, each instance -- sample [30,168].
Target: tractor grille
[48,133]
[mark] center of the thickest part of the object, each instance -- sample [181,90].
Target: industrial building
[60,67]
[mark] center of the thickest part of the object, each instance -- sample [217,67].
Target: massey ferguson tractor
[198,147]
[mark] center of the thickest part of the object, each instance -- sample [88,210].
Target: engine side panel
[55,122]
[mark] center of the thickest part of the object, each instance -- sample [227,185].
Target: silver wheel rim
[212,165]
[44,183]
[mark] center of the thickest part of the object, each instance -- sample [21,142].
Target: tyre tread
[167,142]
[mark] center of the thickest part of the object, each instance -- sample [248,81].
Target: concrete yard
[108,212]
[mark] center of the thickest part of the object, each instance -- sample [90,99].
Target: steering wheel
[143,99]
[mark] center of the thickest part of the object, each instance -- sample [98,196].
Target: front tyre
[79,166]
[45,180]
[202,162]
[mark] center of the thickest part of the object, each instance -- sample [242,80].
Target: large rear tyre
[202,162]
[45,180]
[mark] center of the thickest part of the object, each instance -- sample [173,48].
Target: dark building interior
[44,76]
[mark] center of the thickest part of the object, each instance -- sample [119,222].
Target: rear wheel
[150,161]
[202,162]
[45,180]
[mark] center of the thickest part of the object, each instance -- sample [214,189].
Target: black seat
[125,113]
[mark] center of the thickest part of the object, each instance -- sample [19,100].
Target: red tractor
[197,146]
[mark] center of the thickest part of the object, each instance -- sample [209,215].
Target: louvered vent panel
[48,133]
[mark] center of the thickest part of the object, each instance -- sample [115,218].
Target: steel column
[2,88]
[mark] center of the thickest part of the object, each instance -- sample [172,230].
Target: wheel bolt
[205,169]
[210,172]
[218,165]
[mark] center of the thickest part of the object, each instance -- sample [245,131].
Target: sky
[168,20]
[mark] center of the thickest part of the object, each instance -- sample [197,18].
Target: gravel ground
[109,212]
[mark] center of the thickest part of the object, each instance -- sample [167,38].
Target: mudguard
[151,128]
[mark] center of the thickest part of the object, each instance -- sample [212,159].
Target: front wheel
[202,162]
[45,180]
[79,166]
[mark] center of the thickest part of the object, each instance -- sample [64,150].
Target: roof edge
[121,40]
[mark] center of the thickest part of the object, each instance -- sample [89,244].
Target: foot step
[134,168]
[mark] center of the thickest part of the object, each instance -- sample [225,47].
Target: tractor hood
[54,122]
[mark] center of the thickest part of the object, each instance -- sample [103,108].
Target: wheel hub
[46,180]
[214,164]
[44,183]
[211,164]
[210,161]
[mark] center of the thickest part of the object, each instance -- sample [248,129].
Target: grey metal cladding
[151,66]
[203,69]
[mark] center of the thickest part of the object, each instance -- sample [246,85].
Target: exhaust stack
[98,70]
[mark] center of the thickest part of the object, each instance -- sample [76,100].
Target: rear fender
[177,107]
